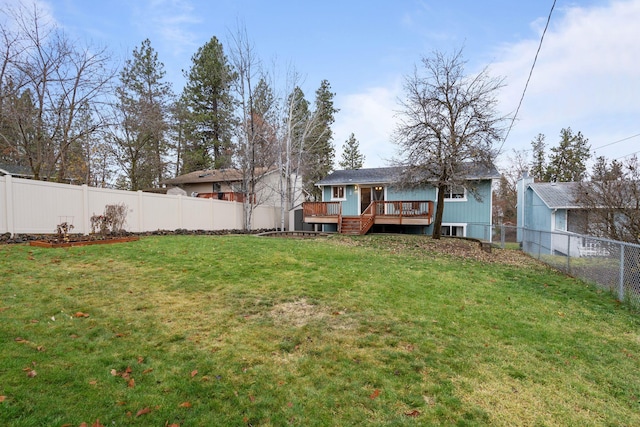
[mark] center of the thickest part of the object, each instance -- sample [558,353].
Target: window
[453,230]
[378,193]
[455,192]
[337,193]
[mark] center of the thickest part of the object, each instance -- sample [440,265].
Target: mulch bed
[80,242]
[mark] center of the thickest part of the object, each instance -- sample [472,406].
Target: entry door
[365,198]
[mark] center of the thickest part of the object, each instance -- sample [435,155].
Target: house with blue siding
[372,200]
[550,211]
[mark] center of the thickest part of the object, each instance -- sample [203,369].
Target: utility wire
[627,155]
[513,119]
[615,142]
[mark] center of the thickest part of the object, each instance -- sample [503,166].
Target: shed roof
[392,174]
[557,195]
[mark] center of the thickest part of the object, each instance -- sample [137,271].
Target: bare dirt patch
[450,247]
[301,312]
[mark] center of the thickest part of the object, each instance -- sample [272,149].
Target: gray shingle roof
[557,195]
[390,175]
[15,170]
[211,175]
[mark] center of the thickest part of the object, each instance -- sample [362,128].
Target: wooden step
[350,226]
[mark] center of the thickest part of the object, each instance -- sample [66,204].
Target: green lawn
[373,330]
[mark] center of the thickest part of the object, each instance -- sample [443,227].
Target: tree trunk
[437,224]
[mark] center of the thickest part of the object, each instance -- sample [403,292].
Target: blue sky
[587,76]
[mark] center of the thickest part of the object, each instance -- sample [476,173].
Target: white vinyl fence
[37,207]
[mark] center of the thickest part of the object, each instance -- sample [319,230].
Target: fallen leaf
[40,348]
[97,424]
[143,411]
[81,314]
[128,370]
[146,371]
[121,403]
[94,382]
[140,359]
[114,372]
[32,373]
[4,308]
[185,405]
[74,336]
[20,340]
[174,425]
[66,425]
[413,413]
[83,425]
[119,335]
[252,398]
[194,373]
[2,398]
[131,383]
[375,394]
[34,320]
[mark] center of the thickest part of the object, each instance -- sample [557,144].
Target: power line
[615,142]
[627,155]
[535,59]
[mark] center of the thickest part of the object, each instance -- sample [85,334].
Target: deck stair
[350,225]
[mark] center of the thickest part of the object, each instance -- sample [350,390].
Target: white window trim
[344,193]
[463,199]
[457,224]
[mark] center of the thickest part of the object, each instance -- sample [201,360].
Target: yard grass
[372,330]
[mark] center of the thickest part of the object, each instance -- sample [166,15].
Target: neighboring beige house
[226,184]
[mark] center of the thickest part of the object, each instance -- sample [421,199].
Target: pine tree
[319,152]
[143,106]
[351,156]
[539,165]
[567,162]
[207,95]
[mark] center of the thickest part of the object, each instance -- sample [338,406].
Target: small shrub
[111,221]
[63,230]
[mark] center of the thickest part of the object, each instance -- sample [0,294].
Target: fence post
[11,227]
[621,284]
[140,213]
[502,238]
[85,209]
[568,254]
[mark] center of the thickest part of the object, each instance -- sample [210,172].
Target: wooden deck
[418,212]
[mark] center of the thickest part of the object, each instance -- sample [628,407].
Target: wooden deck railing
[401,208]
[321,209]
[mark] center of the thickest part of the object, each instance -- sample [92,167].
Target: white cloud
[370,116]
[173,20]
[587,77]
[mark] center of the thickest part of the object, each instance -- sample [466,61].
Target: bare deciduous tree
[49,87]
[612,200]
[448,124]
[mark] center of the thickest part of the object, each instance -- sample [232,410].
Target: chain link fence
[608,264]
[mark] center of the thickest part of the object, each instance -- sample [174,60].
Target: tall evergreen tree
[351,156]
[539,164]
[207,95]
[567,161]
[143,105]
[265,124]
[319,152]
